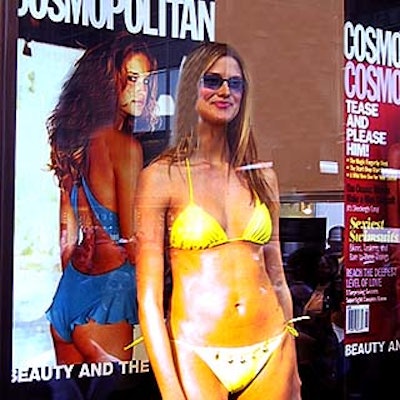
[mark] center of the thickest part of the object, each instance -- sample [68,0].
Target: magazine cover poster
[90,69]
[371,106]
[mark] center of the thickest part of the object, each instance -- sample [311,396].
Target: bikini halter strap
[189,178]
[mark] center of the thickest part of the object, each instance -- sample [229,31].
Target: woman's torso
[221,295]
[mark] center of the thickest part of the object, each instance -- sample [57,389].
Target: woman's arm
[272,251]
[274,267]
[152,200]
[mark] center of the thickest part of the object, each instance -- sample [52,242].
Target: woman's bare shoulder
[156,167]
[119,145]
[158,183]
[161,174]
[121,140]
[163,167]
[156,175]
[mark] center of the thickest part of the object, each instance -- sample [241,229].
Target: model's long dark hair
[240,137]
[89,101]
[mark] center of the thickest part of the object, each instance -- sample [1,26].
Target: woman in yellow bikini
[216,208]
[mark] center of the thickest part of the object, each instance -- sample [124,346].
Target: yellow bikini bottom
[237,367]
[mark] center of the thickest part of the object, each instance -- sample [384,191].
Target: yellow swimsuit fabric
[195,229]
[236,367]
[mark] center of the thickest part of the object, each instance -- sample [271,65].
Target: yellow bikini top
[195,229]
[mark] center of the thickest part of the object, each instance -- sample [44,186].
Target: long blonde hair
[240,137]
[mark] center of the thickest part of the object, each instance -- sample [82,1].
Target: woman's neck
[212,146]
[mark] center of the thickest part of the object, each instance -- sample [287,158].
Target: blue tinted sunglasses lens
[236,84]
[214,82]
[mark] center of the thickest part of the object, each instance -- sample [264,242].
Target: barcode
[357,318]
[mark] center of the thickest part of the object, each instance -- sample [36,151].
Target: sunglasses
[215,81]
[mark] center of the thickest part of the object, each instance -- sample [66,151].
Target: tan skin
[114,162]
[231,295]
